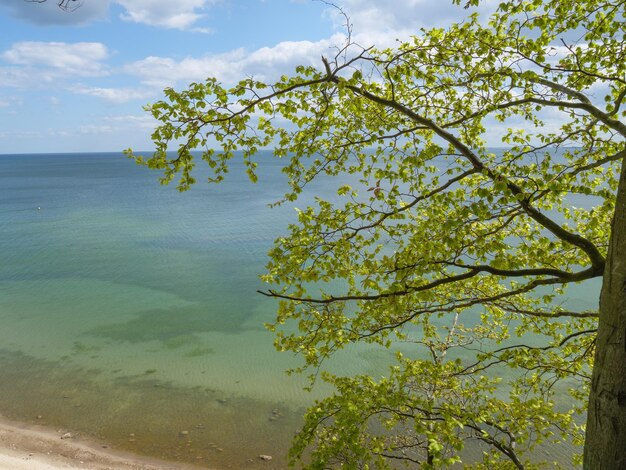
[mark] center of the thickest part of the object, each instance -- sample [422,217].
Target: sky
[77,81]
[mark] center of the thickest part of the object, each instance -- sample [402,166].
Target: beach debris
[184,433]
[67,435]
[39,417]
[275,414]
[84,455]
[265,457]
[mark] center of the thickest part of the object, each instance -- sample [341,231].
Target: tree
[67,5]
[440,241]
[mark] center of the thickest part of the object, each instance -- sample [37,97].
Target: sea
[129,311]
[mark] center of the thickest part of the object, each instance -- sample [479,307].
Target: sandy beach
[28,447]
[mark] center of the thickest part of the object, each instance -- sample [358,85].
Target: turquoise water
[129,311]
[130,308]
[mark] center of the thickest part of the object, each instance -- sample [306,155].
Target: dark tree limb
[66,5]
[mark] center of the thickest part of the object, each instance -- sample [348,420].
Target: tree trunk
[605,442]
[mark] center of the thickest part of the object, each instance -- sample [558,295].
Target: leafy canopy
[439,241]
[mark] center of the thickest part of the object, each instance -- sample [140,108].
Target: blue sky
[77,81]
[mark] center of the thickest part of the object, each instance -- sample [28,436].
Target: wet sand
[143,416]
[30,447]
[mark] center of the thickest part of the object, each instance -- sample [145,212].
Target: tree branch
[597,260]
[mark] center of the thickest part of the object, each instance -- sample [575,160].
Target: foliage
[463,251]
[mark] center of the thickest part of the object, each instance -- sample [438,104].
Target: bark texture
[605,443]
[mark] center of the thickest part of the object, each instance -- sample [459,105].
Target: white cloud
[123,123]
[15,135]
[78,59]
[115,95]
[371,18]
[29,77]
[141,121]
[178,14]
[96,129]
[376,23]
[173,14]
[49,13]
[267,63]
[10,102]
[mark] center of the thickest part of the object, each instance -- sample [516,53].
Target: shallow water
[130,308]
[129,311]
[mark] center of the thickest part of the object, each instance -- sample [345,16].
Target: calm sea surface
[129,312]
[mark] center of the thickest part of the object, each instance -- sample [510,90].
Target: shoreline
[35,447]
